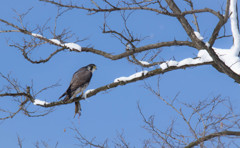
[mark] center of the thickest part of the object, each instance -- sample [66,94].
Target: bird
[78,84]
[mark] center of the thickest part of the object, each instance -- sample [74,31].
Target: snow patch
[163,66]
[172,63]
[133,76]
[203,54]
[234,27]
[187,61]
[198,35]
[229,56]
[72,46]
[144,62]
[231,61]
[226,55]
[39,102]
[56,41]
[168,64]
[88,91]
[207,44]
[36,35]
[202,57]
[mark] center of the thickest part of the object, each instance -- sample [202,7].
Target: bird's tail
[62,95]
[66,98]
[78,109]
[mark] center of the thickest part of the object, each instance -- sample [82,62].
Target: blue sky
[106,114]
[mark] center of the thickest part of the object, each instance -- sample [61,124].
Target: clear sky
[115,111]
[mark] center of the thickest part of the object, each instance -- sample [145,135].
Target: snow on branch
[36,35]
[88,91]
[225,55]
[203,57]
[136,75]
[39,102]
[56,41]
[73,46]
[198,35]
[234,27]
[229,56]
[144,62]
[70,46]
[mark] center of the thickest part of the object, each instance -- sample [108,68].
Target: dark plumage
[78,84]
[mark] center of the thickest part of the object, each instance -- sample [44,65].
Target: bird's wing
[80,78]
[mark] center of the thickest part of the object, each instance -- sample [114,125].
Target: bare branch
[213,135]
[139,6]
[194,15]
[139,49]
[25,55]
[85,142]
[19,141]
[7,31]
[22,97]
[92,50]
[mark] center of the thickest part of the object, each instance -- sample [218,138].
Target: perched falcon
[78,84]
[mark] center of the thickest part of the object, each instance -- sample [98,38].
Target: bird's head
[92,67]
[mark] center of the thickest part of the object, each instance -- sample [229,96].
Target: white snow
[172,63]
[56,41]
[229,56]
[203,54]
[188,61]
[133,76]
[168,64]
[144,62]
[198,35]
[234,27]
[36,35]
[202,57]
[207,44]
[72,46]
[88,91]
[225,55]
[39,102]
[163,65]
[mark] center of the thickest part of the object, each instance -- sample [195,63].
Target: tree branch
[139,49]
[201,45]
[92,50]
[116,84]
[138,7]
[214,135]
